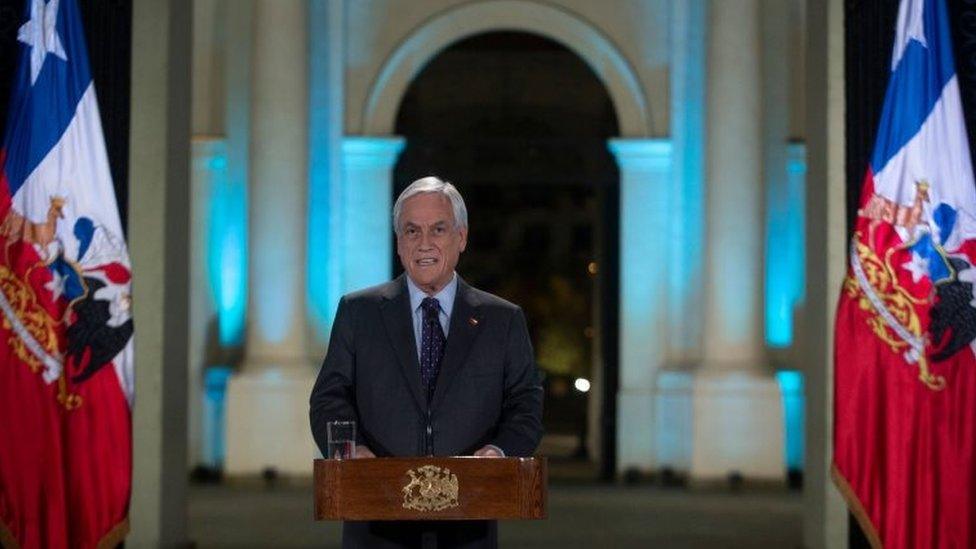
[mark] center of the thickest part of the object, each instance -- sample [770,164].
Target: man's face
[428,243]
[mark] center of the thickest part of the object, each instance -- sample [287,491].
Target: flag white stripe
[939,154]
[77,170]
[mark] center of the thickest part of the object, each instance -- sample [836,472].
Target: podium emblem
[430,488]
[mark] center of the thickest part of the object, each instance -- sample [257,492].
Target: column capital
[648,153]
[372,151]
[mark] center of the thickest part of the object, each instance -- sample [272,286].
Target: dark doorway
[519,123]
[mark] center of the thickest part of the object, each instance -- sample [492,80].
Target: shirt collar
[445,297]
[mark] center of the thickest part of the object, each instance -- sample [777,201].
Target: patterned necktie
[431,342]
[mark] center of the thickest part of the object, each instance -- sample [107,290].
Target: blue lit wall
[791,387]
[325,130]
[645,169]
[319,178]
[785,249]
[215,389]
[688,123]
[366,249]
[227,250]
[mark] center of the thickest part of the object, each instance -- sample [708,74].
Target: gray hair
[432,184]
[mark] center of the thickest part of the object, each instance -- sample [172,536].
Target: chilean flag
[65,302]
[905,359]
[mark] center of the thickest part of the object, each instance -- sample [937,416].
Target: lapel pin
[473,321]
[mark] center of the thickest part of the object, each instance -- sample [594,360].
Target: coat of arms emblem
[430,488]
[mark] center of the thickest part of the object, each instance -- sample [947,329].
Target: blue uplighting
[215,388]
[791,388]
[227,250]
[688,129]
[325,115]
[645,166]
[785,253]
[320,307]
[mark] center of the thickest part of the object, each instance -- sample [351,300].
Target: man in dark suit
[427,365]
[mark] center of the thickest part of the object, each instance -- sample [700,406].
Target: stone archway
[425,42]
[646,191]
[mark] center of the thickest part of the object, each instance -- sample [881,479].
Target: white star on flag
[56,285]
[41,34]
[918,266]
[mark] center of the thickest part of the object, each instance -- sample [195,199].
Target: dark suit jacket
[487,392]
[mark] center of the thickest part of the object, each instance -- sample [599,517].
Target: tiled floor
[580,515]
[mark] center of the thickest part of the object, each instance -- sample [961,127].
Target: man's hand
[363,452]
[488,452]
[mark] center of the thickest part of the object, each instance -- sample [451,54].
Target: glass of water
[342,439]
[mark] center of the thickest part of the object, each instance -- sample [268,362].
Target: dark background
[520,123]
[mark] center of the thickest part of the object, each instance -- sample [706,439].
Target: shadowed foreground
[252,515]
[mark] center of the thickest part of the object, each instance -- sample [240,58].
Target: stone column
[365,242]
[208,176]
[738,417]
[207,68]
[783,234]
[825,516]
[209,164]
[326,124]
[159,198]
[673,385]
[267,404]
[688,81]
[645,221]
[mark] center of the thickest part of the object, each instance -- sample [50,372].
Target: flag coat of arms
[905,369]
[65,321]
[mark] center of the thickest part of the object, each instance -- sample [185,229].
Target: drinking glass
[342,439]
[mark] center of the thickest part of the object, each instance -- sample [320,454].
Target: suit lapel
[466,323]
[398,320]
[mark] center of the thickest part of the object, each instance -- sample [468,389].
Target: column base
[267,421]
[738,425]
[674,419]
[635,437]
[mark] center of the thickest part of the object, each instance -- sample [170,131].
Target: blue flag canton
[47,87]
[916,84]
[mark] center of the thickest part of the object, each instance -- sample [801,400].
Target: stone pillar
[365,242]
[783,234]
[825,519]
[231,242]
[325,137]
[209,172]
[159,173]
[737,410]
[673,385]
[688,61]
[645,221]
[267,403]
[207,61]
[209,166]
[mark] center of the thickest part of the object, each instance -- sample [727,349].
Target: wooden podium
[431,488]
